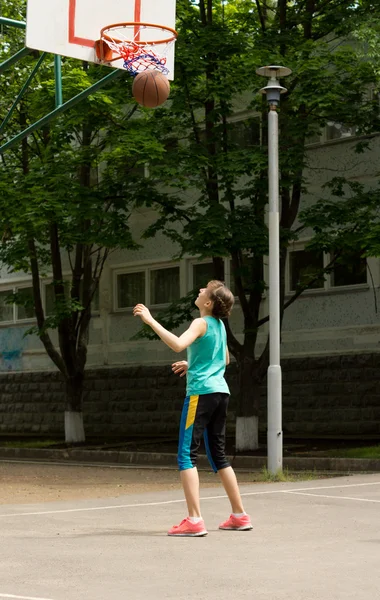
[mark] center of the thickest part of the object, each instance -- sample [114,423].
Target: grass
[285,475]
[361,452]
[364,452]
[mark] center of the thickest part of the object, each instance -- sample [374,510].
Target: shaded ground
[30,483]
[311,541]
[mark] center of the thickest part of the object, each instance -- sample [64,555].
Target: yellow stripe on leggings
[192,410]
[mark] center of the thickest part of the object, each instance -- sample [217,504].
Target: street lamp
[275,442]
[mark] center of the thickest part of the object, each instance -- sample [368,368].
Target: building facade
[338,316]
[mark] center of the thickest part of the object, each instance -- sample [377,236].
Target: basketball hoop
[142,46]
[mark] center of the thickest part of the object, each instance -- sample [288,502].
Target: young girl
[205,407]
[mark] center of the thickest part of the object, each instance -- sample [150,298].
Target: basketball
[151,88]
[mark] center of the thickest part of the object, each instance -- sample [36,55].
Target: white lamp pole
[275,442]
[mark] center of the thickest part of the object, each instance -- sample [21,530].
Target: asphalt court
[314,540]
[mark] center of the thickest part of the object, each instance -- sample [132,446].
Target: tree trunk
[248,404]
[74,429]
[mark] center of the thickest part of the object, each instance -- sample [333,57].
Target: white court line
[334,497]
[21,597]
[332,487]
[89,509]
[165,502]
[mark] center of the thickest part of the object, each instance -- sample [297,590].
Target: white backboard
[71,27]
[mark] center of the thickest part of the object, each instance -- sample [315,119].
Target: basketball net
[124,40]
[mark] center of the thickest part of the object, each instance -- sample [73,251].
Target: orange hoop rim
[105,36]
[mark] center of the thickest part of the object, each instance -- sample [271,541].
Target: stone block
[371,400]
[321,396]
[369,428]
[347,428]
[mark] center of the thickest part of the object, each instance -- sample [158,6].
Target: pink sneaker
[237,523]
[188,529]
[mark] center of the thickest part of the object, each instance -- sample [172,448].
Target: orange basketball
[151,88]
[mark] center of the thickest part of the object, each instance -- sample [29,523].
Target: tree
[65,201]
[219,47]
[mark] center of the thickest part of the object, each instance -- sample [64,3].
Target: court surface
[313,540]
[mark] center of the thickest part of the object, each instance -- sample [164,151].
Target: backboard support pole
[60,106]
[12,23]
[61,109]
[15,58]
[22,92]
[58,81]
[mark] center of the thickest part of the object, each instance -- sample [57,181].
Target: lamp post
[275,442]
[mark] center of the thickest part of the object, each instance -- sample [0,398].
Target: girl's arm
[197,329]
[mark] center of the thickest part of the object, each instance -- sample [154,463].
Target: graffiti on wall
[12,345]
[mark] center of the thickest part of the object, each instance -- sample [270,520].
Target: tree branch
[261,16]
[44,336]
[235,346]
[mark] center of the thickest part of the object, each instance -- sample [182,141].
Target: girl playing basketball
[205,407]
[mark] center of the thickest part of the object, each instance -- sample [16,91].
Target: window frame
[46,282]
[227,273]
[190,269]
[147,269]
[265,277]
[235,119]
[327,288]
[14,289]
[245,117]
[325,141]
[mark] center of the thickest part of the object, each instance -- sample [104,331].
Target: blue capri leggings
[203,415]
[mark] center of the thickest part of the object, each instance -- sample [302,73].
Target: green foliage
[213,175]
[212,179]
[208,184]
[67,191]
[286,475]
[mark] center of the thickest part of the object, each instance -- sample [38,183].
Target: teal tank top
[206,359]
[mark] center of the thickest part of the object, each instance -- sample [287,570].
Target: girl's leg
[190,483]
[230,484]
[215,443]
[192,426]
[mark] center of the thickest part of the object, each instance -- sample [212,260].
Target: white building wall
[343,320]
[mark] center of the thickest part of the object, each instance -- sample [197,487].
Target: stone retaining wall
[324,396]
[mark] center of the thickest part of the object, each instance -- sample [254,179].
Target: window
[151,286]
[139,170]
[245,133]
[50,298]
[338,131]
[164,285]
[130,289]
[245,273]
[202,274]
[27,311]
[303,267]
[95,304]
[13,313]
[6,310]
[350,269]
